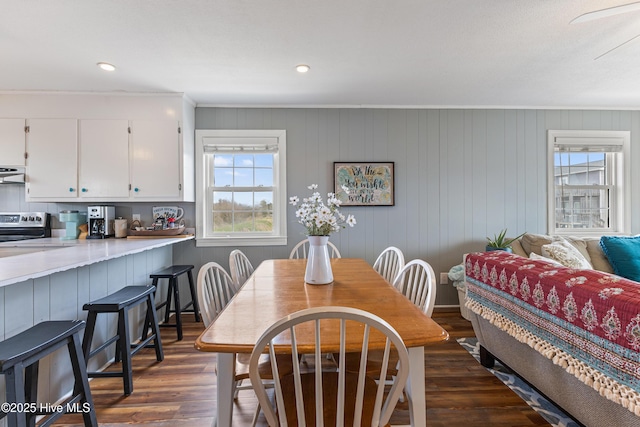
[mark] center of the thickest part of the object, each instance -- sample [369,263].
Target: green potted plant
[500,242]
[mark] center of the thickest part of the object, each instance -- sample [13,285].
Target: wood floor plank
[181,389]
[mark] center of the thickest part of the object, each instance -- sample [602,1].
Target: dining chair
[326,397]
[215,290]
[301,250]
[240,267]
[417,281]
[389,263]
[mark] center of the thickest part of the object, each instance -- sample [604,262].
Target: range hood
[12,175]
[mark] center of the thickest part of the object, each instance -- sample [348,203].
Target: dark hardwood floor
[181,390]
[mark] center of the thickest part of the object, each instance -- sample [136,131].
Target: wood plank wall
[460,174]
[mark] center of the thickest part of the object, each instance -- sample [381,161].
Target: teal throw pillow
[624,255]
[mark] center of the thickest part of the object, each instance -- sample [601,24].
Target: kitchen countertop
[42,257]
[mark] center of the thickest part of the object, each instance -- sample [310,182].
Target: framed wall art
[368,183]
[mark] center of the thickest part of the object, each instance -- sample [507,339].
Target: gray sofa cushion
[589,247]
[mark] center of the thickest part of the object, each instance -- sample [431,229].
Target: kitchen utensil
[73,220]
[101,222]
[121,227]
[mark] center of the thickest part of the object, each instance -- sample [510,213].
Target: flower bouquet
[320,220]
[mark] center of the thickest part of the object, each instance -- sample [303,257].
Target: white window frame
[620,175]
[204,219]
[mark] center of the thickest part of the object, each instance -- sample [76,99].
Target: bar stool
[23,352]
[121,302]
[173,291]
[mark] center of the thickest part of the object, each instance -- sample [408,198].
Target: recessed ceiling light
[106,66]
[302,68]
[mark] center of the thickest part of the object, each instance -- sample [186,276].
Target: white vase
[318,270]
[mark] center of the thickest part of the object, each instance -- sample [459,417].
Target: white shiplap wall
[461,175]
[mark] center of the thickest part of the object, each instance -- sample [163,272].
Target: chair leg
[15,393]
[167,308]
[125,343]
[256,414]
[31,390]
[194,297]
[236,385]
[178,308]
[152,322]
[81,380]
[88,335]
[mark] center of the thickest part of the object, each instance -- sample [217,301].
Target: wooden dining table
[277,289]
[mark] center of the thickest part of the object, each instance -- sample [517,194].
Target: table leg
[226,373]
[415,387]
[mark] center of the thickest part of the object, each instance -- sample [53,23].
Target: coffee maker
[101,222]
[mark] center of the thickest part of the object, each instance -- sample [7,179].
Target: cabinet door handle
[71,189]
[136,189]
[84,190]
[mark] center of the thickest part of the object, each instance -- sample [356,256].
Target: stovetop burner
[16,226]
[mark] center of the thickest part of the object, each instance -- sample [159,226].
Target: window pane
[582,208]
[222,222]
[580,168]
[223,160]
[243,177]
[263,160]
[243,222]
[222,200]
[264,177]
[244,200]
[264,201]
[223,177]
[264,221]
[243,161]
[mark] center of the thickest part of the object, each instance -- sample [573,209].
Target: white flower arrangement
[320,219]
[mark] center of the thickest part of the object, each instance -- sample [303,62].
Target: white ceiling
[451,53]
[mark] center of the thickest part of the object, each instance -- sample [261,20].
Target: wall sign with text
[369,184]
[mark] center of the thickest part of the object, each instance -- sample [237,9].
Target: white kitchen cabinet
[12,139]
[89,149]
[52,159]
[103,159]
[156,160]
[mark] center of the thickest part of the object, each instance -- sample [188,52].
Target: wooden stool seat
[24,351]
[173,292]
[121,302]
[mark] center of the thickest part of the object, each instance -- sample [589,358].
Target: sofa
[573,332]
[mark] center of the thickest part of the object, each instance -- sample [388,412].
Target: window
[588,182]
[241,195]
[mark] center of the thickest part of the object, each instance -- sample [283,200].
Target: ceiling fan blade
[619,46]
[602,13]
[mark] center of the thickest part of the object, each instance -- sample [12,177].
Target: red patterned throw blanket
[586,321]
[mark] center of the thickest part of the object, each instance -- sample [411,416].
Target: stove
[16,226]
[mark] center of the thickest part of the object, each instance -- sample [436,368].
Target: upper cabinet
[103,167]
[12,139]
[52,159]
[128,149]
[74,160]
[155,160]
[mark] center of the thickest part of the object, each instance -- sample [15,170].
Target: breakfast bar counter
[51,279]
[42,257]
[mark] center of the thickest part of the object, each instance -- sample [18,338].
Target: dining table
[277,289]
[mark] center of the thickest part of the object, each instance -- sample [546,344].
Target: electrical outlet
[444,278]
[136,217]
